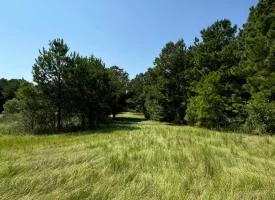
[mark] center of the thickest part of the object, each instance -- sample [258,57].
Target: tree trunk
[83,120]
[59,104]
[54,122]
[32,123]
[91,119]
[59,119]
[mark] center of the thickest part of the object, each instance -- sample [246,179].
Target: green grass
[137,159]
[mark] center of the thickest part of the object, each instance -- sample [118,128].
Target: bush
[11,113]
[14,128]
[154,110]
[261,117]
[207,107]
[12,106]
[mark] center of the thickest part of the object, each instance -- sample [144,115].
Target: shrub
[261,117]
[12,106]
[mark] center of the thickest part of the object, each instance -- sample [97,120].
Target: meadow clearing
[137,159]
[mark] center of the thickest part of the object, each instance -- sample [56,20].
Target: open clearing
[138,159]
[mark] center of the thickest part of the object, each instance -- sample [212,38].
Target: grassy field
[138,159]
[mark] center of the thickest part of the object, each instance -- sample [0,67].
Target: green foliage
[210,83]
[89,90]
[261,117]
[206,109]
[198,84]
[48,73]
[166,88]
[71,91]
[8,89]
[135,99]
[11,107]
[154,109]
[217,88]
[258,63]
[37,114]
[119,89]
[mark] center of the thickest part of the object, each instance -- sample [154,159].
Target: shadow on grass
[138,114]
[128,120]
[119,124]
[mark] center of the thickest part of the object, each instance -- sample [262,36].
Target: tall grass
[137,159]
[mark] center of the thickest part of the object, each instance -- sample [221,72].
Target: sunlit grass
[137,159]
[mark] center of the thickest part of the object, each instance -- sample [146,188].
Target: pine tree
[48,72]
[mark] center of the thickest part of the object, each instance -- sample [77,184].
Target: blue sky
[126,33]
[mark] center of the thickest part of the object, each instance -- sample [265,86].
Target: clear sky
[126,33]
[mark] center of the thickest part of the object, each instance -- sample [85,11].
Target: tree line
[225,80]
[70,91]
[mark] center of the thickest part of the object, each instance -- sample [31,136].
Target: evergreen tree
[48,73]
[89,89]
[119,89]
[217,88]
[258,63]
[135,94]
[167,97]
